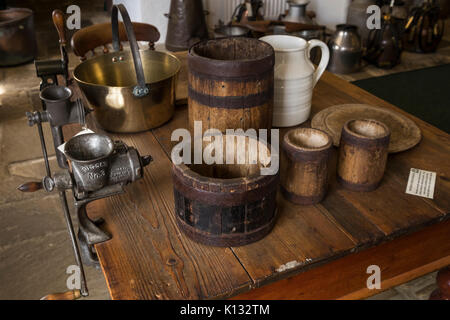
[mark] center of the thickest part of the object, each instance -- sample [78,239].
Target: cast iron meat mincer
[100,167]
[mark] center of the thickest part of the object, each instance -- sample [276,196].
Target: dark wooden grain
[149,258]
[303,235]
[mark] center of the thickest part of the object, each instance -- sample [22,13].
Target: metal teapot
[297,13]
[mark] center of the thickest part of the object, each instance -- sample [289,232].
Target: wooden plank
[355,225]
[305,232]
[163,134]
[400,260]
[390,209]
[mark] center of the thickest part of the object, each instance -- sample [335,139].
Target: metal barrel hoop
[141,90]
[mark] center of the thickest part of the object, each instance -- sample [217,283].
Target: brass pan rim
[109,56]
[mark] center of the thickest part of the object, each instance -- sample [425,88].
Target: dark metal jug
[187,24]
[384,46]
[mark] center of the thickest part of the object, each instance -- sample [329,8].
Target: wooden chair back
[100,35]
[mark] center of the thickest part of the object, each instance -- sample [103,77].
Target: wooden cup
[363,154]
[304,165]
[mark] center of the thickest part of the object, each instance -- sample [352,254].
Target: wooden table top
[150,258]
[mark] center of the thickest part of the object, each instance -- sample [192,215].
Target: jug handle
[141,89]
[323,61]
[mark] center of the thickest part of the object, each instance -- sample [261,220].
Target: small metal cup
[57,103]
[304,165]
[90,157]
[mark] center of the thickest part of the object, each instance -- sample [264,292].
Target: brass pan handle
[141,89]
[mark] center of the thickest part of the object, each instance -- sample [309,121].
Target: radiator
[273,8]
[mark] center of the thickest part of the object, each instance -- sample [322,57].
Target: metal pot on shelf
[223,31]
[17,36]
[129,91]
[345,50]
[297,13]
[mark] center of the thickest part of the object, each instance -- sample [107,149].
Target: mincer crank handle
[35,186]
[58,21]
[69,295]
[30,187]
[44,149]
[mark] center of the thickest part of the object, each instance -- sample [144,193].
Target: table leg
[443,282]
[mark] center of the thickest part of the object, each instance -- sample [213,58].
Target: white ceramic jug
[295,77]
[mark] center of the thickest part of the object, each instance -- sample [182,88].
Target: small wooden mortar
[304,165]
[363,154]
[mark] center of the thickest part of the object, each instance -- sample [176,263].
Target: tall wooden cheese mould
[231,84]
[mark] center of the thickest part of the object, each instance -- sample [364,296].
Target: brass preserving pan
[120,103]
